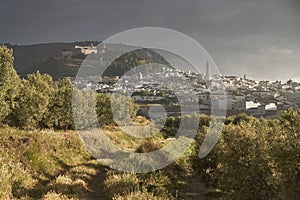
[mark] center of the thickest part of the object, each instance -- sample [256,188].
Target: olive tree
[60,106]
[33,100]
[9,83]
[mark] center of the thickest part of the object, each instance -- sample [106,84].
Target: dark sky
[258,37]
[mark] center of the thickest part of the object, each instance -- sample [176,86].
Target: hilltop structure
[86,50]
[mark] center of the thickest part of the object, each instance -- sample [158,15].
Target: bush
[60,107]
[124,107]
[148,146]
[244,163]
[205,167]
[33,101]
[254,158]
[285,150]
[236,120]
[88,103]
[9,83]
[204,120]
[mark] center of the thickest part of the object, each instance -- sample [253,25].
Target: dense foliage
[255,158]
[9,83]
[125,62]
[39,102]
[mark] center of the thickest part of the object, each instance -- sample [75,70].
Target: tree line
[38,101]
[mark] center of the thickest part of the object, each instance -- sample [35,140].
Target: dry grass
[56,196]
[55,165]
[64,184]
[140,120]
[13,175]
[30,162]
[121,183]
[148,146]
[139,195]
[128,142]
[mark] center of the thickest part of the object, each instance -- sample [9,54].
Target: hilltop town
[234,94]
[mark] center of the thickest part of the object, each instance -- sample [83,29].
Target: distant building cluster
[174,87]
[86,50]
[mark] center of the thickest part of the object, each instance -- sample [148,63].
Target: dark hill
[47,58]
[63,59]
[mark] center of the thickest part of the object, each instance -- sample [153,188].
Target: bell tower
[207,74]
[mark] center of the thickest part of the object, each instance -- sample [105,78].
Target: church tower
[207,74]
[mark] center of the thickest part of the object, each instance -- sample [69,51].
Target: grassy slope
[44,164]
[55,165]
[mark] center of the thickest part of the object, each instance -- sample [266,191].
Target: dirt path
[96,190]
[194,190]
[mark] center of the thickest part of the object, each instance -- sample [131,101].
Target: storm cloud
[259,38]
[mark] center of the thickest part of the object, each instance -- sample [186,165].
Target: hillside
[49,58]
[46,58]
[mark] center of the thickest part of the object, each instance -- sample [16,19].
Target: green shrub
[60,114]
[124,107]
[285,150]
[244,164]
[9,83]
[33,101]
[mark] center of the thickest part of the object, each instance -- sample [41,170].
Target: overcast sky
[258,37]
